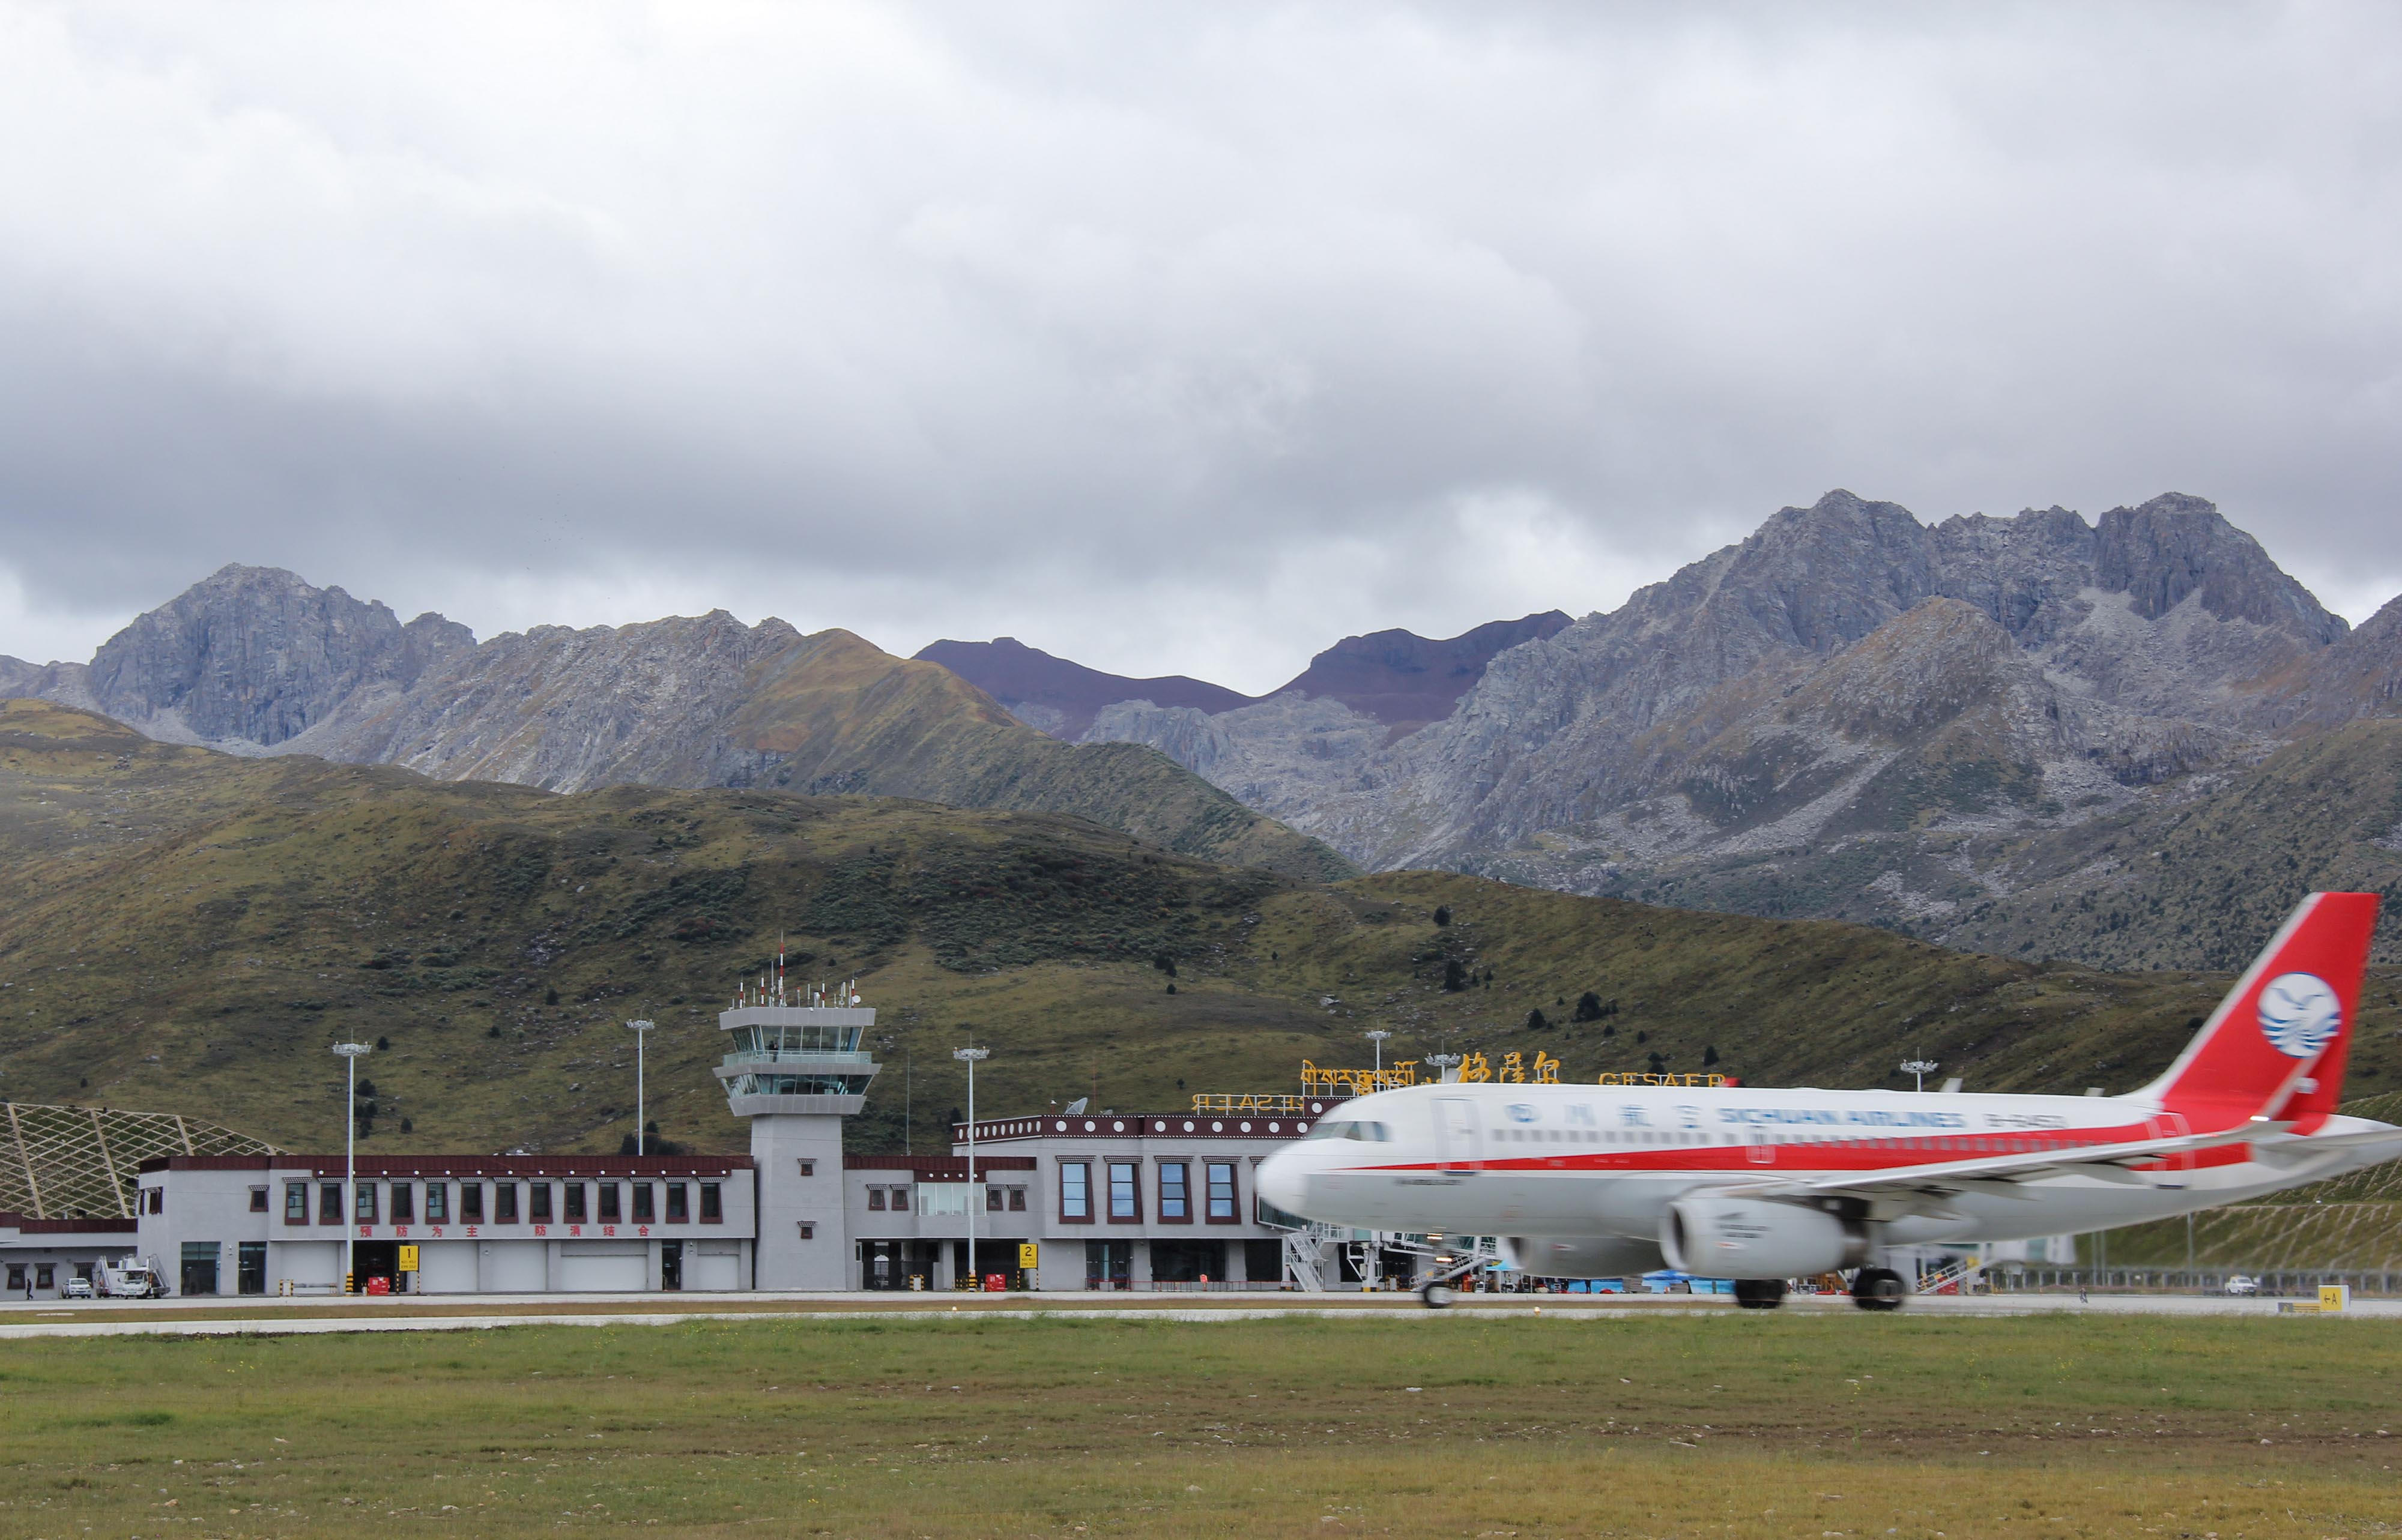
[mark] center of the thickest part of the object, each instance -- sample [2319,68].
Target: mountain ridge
[256,661]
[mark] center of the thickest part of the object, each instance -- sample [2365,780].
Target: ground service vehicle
[129,1279]
[1761,1186]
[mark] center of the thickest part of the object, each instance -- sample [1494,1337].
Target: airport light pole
[970,1056]
[352,1053]
[639,1030]
[1378,1036]
[1444,1064]
[1921,1068]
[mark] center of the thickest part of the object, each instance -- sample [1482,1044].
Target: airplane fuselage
[1607,1161]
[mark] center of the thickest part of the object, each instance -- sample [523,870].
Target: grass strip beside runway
[1680,1424]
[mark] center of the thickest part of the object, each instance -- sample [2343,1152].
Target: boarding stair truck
[128,1278]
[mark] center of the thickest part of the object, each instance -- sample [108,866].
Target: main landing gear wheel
[1759,1293]
[1437,1296]
[1879,1288]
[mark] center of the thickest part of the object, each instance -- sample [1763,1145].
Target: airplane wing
[2000,1174]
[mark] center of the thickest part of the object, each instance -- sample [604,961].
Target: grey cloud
[1167,340]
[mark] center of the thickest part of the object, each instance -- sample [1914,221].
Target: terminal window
[1075,1190]
[437,1202]
[1125,1197]
[330,1204]
[365,1211]
[645,1203]
[471,1202]
[875,1200]
[575,1209]
[1174,1202]
[404,1204]
[538,1202]
[1221,1192]
[295,1202]
[991,1199]
[504,1202]
[258,1200]
[712,1204]
[611,1202]
[16,1276]
[677,1211]
[1017,1199]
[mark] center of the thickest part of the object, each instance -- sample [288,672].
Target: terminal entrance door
[376,1260]
[1109,1264]
[199,1268]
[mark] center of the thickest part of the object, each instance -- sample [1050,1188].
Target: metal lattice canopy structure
[66,1162]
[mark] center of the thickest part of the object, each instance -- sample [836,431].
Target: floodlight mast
[1920,1068]
[1378,1036]
[1444,1064]
[641,1031]
[352,1053]
[971,1057]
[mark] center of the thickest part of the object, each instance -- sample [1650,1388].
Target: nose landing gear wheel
[1759,1293]
[1879,1288]
[1437,1296]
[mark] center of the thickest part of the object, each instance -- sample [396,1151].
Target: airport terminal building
[1107,1200]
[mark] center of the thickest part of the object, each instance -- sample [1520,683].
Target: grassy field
[1691,1426]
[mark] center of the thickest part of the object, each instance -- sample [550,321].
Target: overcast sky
[1170,338]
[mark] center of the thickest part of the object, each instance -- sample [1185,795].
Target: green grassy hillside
[188,931]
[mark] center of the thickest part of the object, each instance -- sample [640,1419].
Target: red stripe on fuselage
[1832,1156]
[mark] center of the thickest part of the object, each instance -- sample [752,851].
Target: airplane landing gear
[1437,1296]
[1878,1289]
[1759,1293]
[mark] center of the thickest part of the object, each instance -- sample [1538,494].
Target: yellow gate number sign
[408,1258]
[1025,1253]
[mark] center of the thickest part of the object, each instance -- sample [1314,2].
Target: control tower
[795,1068]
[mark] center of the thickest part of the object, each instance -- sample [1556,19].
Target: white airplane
[1761,1186]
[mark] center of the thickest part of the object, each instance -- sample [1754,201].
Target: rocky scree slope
[193,929]
[256,661]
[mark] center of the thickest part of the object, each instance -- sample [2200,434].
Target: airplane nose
[1278,1181]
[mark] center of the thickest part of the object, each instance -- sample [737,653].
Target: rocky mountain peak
[256,655]
[2176,546]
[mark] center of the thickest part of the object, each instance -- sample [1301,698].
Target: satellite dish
[1075,1106]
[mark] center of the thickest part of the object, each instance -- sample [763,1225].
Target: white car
[2240,1285]
[76,1288]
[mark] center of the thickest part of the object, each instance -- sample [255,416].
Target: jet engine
[1755,1238]
[1581,1256]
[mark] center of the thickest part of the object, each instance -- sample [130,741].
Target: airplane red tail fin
[2276,1045]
